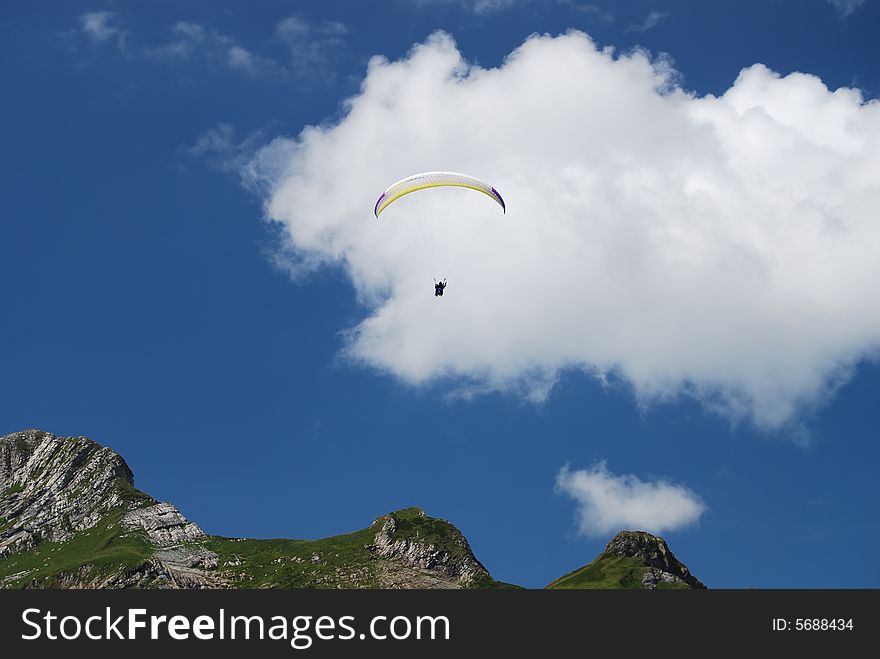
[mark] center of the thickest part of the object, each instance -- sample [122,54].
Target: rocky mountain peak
[654,552]
[433,545]
[69,499]
[25,456]
[70,517]
[639,544]
[52,487]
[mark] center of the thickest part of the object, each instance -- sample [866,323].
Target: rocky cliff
[53,488]
[633,559]
[434,547]
[663,566]
[73,503]
[70,517]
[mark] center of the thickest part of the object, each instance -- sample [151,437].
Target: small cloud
[98,27]
[217,146]
[651,21]
[488,6]
[474,6]
[244,61]
[846,7]
[191,40]
[222,150]
[607,503]
[587,8]
[187,38]
[312,46]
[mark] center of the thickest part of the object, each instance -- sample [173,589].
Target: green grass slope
[104,549]
[341,561]
[610,572]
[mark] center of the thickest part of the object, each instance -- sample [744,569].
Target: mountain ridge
[632,560]
[71,517]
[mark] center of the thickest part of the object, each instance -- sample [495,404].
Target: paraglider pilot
[438,288]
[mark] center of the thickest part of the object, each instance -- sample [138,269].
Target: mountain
[633,559]
[70,517]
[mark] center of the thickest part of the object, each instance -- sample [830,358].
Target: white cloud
[607,503]
[488,6]
[492,6]
[597,12]
[99,28]
[651,21]
[220,148]
[312,46]
[475,6]
[191,41]
[846,7]
[722,248]
[187,37]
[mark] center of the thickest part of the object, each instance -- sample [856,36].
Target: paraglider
[434,180]
[427,180]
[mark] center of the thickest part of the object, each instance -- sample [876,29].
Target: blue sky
[149,305]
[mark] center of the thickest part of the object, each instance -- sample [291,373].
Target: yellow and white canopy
[432,180]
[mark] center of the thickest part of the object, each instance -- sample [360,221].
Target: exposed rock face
[436,567]
[164,525]
[175,564]
[53,487]
[59,488]
[162,571]
[654,552]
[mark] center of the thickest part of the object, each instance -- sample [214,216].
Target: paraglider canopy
[433,180]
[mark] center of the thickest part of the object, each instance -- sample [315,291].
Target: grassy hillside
[330,562]
[104,549]
[342,561]
[608,571]
[52,489]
